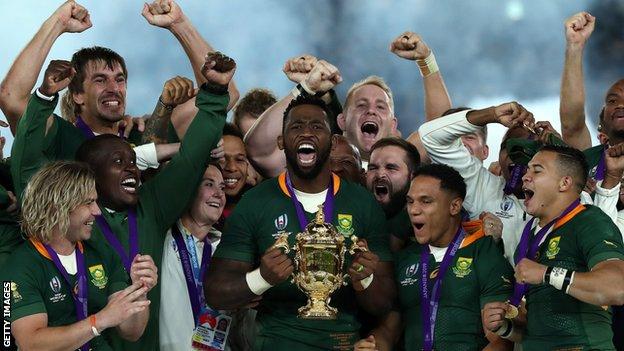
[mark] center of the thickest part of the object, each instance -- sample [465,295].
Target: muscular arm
[32,333]
[572,104]
[261,140]
[437,99]
[377,298]
[225,286]
[602,286]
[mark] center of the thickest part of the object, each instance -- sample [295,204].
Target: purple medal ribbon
[88,132]
[195,287]
[80,295]
[601,168]
[328,206]
[524,250]
[114,242]
[515,178]
[430,303]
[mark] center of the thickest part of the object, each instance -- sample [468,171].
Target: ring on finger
[360,268]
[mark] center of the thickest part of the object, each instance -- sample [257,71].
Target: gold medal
[512,312]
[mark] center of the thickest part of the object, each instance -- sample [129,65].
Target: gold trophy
[319,261]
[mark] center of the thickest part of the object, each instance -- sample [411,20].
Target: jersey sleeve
[441,138]
[26,295]
[600,240]
[494,272]
[237,240]
[171,189]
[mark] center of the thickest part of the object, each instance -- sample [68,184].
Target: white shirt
[311,201]
[176,314]
[69,262]
[438,252]
[606,200]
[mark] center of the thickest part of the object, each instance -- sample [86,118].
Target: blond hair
[68,107]
[51,194]
[371,80]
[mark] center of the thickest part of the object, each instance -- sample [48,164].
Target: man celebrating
[571,255]
[65,291]
[445,277]
[284,205]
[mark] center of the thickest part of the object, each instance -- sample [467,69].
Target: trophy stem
[318,307]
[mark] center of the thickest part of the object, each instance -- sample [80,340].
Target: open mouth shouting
[528,195]
[382,189]
[369,129]
[129,185]
[306,154]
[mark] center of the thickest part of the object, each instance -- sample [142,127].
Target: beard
[322,158]
[397,201]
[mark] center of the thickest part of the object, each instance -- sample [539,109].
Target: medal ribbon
[601,168]
[133,232]
[80,294]
[526,251]
[328,205]
[88,132]
[430,303]
[194,272]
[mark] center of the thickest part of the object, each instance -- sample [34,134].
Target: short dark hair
[254,103]
[450,179]
[570,162]
[307,100]
[232,130]
[81,59]
[412,158]
[92,150]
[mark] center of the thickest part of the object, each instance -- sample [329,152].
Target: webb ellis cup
[319,261]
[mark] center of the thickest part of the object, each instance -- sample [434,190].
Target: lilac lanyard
[601,167]
[524,250]
[516,176]
[328,206]
[430,303]
[194,272]
[80,295]
[114,242]
[88,133]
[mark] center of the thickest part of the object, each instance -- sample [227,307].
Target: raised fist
[218,68]
[513,114]
[614,161]
[162,13]
[410,46]
[73,17]
[323,77]
[177,91]
[492,225]
[579,28]
[275,266]
[297,68]
[57,77]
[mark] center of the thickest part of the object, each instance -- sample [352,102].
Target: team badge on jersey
[462,267]
[99,276]
[16,295]
[281,222]
[553,247]
[55,285]
[410,271]
[345,224]
[506,205]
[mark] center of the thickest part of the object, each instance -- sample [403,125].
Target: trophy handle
[282,243]
[355,247]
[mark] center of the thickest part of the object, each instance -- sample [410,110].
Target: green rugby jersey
[557,321]
[400,226]
[592,155]
[478,274]
[37,286]
[263,213]
[60,143]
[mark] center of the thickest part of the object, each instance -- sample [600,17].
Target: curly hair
[51,194]
[254,103]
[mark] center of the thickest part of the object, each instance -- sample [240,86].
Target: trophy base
[318,310]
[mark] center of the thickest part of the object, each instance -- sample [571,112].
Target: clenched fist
[513,114]
[73,17]
[579,28]
[57,77]
[410,46]
[275,266]
[162,13]
[218,68]
[323,77]
[297,68]
[529,272]
[177,91]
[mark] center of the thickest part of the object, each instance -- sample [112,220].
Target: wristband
[165,106]
[256,283]
[557,277]
[568,281]
[366,282]
[428,66]
[505,330]
[93,328]
[546,278]
[44,96]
